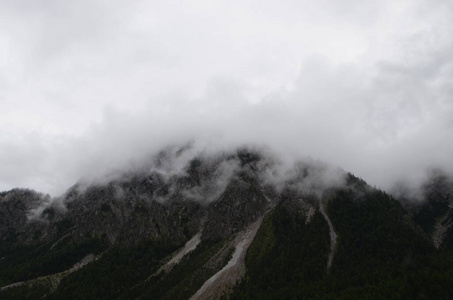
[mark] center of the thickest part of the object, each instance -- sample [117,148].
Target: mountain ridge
[326,224]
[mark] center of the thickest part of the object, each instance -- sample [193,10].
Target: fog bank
[88,88]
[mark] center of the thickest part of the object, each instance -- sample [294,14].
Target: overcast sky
[89,86]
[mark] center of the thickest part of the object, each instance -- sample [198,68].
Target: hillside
[233,225]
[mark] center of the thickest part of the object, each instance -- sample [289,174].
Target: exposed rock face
[222,282]
[176,197]
[208,226]
[241,204]
[441,228]
[333,236]
[16,217]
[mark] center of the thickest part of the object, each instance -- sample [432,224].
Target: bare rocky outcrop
[333,236]
[441,228]
[176,257]
[16,223]
[221,283]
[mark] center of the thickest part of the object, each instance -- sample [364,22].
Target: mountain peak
[234,223]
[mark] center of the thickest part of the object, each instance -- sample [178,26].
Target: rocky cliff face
[220,225]
[16,211]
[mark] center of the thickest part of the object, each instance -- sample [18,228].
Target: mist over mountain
[89,88]
[236,224]
[241,150]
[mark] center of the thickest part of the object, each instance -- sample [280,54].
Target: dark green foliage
[117,271]
[187,277]
[381,251]
[375,240]
[448,240]
[426,217]
[26,262]
[374,227]
[286,256]
[124,273]
[37,291]
[437,197]
[379,254]
[63,225]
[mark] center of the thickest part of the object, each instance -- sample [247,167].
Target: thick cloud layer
[89,87]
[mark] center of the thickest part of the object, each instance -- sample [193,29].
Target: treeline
[380,253]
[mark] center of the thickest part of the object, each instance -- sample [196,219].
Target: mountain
[237,225]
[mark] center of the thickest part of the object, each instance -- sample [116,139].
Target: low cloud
[212,186]
[371,95]
[436,185]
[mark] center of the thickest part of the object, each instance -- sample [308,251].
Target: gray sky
[91,86]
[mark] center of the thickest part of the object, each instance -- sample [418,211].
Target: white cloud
[90,86]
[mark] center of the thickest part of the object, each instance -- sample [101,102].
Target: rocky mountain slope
[194,225]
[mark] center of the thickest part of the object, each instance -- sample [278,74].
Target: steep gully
[333,236]
[225,279]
